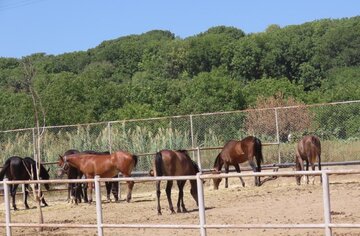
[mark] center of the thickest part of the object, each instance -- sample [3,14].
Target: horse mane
[135,157]
[196,166]
[183,151]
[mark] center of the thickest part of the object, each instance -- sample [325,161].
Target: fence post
[99,217]
[200,191]
[277,134]
[199,159]
[192,131]
[7,207]
[109,136]
[326,201]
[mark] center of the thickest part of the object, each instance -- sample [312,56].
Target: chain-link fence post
[277,134]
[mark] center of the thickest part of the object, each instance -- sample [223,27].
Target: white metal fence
[202,226]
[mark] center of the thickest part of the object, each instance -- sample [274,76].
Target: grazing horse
[175,163]
[309,150]
[77,191]
[235,152]
[104,165]
[17,168]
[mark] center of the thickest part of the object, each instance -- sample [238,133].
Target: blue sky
[60,26]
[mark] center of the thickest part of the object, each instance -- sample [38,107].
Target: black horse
[78,191]
[17,168]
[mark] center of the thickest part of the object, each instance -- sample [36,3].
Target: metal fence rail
[202,226]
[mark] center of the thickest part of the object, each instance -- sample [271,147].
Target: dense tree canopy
[158,74]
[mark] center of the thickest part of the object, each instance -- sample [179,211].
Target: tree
[39,113]
[262,120]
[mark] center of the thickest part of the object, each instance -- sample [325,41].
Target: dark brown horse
[308,149]
[175,163]
[103,165]
[17,168]
[235,152]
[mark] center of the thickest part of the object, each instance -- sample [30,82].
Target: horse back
[177,163]
[309,148]
[124,161]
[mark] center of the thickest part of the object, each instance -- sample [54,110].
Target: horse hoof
[159,213]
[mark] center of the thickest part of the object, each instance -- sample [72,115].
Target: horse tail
[4,169]
[158,164]
[316,141]
[258,153]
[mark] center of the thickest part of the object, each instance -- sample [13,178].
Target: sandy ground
[279,201]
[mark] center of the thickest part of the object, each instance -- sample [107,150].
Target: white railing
[202,226]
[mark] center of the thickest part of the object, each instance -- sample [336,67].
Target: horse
[77,191]
[102,164]
[175,163]
[239,151]
[17,168]
[308,149]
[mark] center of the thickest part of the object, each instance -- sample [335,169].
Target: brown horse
[104,165]
[235,152]
[309,150]
[175,163]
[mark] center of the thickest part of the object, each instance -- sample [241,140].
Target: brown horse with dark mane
[78,191]
[308,149]
[103,165]
[235,152]
[175,163]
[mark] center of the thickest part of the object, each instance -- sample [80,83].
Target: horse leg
[69,192]
[299,167]
[226,166]
[90,190]
[181,184]
[43,199]
[237,168]
[307,169]
[313,177]
[158,192]
[255,169]
[115,190]
[13,194]
[319,167]
[26,196]
[130,187]
[169,185]
[108,190]
[83,189]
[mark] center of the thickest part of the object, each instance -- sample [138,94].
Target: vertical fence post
[199,159]
[200,191]
[99,217]
[7,207]
[109,136]
[192,131]
[277,134]
[326,201]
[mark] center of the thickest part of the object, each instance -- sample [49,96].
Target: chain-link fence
[337,125]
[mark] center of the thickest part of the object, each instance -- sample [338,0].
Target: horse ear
[61,157]
[48,170]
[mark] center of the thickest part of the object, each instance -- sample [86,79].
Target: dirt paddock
[279,201]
